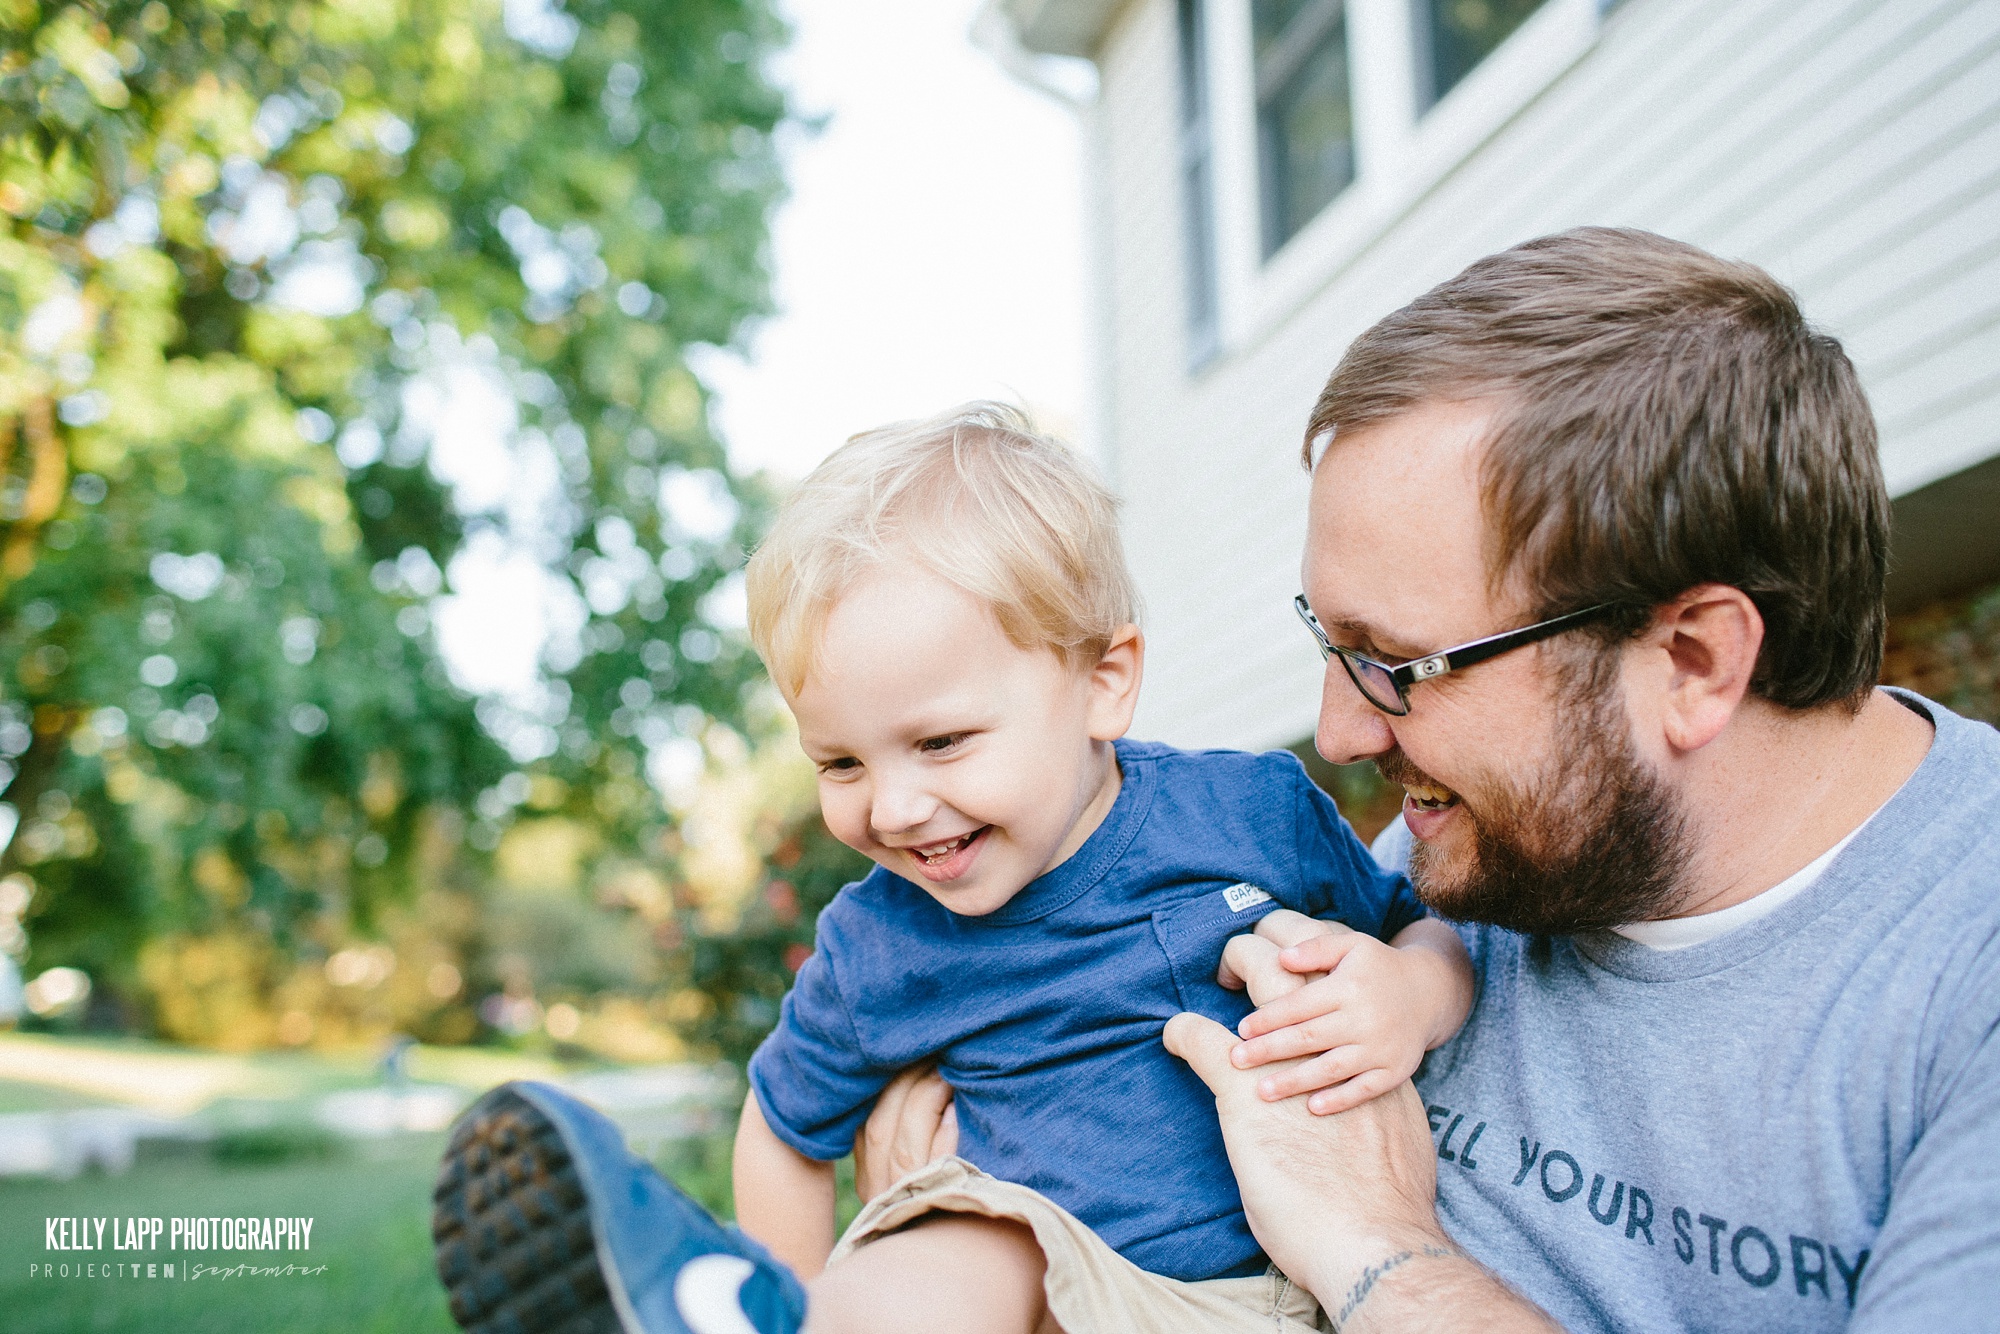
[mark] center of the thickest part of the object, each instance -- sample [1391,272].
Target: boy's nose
[899,808]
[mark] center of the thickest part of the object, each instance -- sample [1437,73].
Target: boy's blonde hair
[976,496]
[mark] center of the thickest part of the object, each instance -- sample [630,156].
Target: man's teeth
[1428,797]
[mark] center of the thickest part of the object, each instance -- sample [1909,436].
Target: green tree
[742,973]
[256,254]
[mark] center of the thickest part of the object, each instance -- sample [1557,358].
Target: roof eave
[1060,27]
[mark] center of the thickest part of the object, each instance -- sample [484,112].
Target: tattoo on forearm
[1373,1274]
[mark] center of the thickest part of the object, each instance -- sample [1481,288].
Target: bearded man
[1735,909]
[1596,553]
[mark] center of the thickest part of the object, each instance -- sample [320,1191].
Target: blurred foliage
[1367,800]
[1949,651]
[741,974]
[285,1142]
[249,251]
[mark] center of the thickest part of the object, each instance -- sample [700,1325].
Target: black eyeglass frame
[1433,665]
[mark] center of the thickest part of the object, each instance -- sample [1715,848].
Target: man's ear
[1702,651]
[1114,684]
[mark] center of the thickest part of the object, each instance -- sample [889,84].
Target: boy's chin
[969,899]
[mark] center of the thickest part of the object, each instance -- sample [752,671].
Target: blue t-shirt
[1045,1015]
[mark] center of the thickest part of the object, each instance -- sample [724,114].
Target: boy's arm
[1362,1011]
[1450,991]
[783,1198]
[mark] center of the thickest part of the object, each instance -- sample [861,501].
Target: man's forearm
[1346,1204]
[1422,1284]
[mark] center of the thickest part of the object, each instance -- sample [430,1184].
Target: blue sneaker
[545,1221]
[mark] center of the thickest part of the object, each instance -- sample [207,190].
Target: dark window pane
[1202,327]
[1462,33]
[1306,124]
[1270,18]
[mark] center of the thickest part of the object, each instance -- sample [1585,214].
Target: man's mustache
[1395,767]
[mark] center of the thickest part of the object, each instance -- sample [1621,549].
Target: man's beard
[1594,842]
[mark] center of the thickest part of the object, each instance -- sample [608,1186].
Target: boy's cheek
[856,839]
[846,819]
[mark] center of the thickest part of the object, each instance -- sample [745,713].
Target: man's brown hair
[1665,419]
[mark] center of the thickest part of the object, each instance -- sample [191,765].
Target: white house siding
[1853,149]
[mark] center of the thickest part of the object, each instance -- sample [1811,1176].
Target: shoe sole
[511,1227]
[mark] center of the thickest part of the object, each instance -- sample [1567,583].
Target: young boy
[945,607]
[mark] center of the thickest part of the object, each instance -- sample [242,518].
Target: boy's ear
[1114,684]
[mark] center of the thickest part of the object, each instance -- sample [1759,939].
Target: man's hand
[1316,1188]
[1344,1203]
[914,1123]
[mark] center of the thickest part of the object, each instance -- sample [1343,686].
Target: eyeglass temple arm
[1479,650]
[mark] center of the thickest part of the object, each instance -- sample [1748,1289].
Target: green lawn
[165,1078]
[371,1208]
[370,1199]
[19,1096]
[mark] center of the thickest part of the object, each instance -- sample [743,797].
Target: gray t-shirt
[1795,1126]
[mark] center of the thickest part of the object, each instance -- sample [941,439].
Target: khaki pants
[1091,1289]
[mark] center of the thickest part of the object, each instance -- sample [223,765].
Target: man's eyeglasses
[1388,688]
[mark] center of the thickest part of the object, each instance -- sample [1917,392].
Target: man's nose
[899,806]
[1350,728]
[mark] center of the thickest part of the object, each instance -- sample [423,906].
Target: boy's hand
[1250,961]
[1361,1011]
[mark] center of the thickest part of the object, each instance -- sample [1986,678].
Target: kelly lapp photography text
[654,653]
[183,1239]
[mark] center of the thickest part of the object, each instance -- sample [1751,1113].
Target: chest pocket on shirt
[1193,933]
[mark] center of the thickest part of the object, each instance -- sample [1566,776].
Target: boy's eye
[933,745]
[845,764]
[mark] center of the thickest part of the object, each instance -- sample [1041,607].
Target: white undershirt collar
[1679,933]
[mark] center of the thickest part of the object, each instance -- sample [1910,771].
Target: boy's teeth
[939,851]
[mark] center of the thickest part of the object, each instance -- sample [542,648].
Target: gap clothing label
[1045,1016]
[1788,1127]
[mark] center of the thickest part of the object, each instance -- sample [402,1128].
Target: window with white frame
[1197,151]
[1305,111]
[1452,36]
[1308,127]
